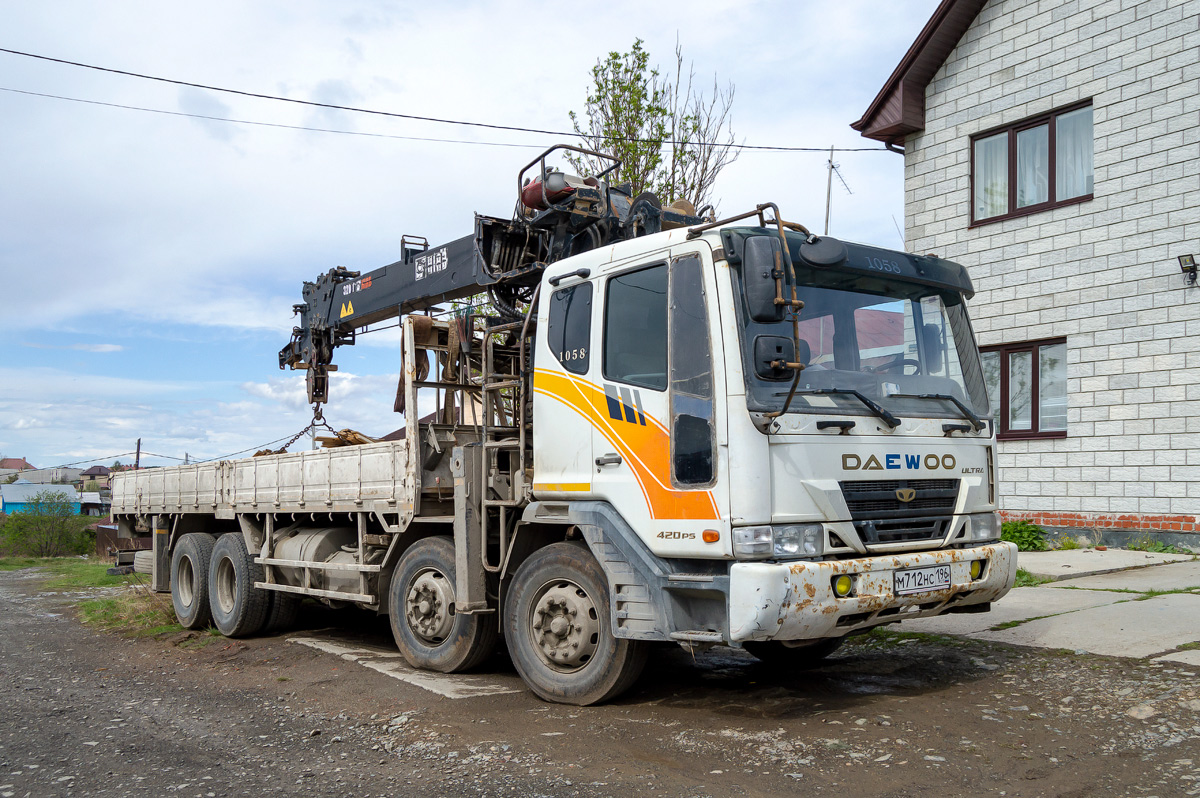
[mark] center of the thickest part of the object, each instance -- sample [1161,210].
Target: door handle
[608,459]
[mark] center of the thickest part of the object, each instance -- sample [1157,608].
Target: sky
[150,261]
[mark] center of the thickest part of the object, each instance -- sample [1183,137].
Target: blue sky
[150,262]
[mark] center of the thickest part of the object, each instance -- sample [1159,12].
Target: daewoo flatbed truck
[670,430]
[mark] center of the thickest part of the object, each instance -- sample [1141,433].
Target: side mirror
[770,349]
[758,278]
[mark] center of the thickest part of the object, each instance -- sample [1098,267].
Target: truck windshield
[897,349]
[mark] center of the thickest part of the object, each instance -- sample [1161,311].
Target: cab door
[656,439]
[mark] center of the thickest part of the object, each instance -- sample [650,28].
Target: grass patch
[68,573]
[1154,546]
[134,613]
[1068,543]
[1189,646]
[1026,579]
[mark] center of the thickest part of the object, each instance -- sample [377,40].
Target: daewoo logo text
[897,462]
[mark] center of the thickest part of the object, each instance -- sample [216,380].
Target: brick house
[1053,148]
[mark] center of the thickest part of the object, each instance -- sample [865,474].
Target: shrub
[1027,535]
[49,528]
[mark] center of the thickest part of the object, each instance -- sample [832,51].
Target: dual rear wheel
[212,582]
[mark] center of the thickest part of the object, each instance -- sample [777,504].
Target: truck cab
[780,478]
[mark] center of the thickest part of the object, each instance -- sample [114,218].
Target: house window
[1036,164]
[1027,386]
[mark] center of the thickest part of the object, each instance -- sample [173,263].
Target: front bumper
[795,601]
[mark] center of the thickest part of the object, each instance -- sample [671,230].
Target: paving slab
[1125,629]
[1190,657]
[1086,562]
[1020,604]
[1172,576]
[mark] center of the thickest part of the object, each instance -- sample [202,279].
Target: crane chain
[318,422]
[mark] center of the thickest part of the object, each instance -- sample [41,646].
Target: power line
[266,124]
[395,115]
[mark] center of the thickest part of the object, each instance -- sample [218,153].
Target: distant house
[98,474]
[46,476]
[17,497]
[14,464]
[95,503]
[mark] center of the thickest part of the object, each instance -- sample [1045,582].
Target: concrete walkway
[1117,603]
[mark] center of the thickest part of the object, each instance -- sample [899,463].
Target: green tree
[672,138]
[49,526]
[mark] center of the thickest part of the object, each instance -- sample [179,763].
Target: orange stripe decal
[646,449]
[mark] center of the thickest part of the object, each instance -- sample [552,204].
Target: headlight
[983,526]
[752,542]
[781,542]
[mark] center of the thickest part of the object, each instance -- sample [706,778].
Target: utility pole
[828,189]
[185,458]
[137,460]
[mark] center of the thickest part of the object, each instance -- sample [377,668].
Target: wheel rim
[226,585]
[186,579]
[564,626]
[429,605]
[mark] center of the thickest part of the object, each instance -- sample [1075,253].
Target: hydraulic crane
[556,216]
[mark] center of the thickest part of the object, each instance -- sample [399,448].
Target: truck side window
[692,439]
[569,335]
[635,328]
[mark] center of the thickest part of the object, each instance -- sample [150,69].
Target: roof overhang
[899,108]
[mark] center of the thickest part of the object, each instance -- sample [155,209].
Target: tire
[281,612]
[239,609]
[189,580]
[421,609]
[143,562]
[799,657]
[573,658]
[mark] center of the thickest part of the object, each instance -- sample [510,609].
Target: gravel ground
[98,714]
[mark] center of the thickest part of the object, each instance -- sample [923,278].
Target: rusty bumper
[796,601]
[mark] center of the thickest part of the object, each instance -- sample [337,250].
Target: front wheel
[422,608]
[556,621]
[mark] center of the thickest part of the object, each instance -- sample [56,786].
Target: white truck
[676,431]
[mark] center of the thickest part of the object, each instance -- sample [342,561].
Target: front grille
[880,516]
[867,500]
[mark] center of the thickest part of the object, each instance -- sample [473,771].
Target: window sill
[1030,211]
[1030,436]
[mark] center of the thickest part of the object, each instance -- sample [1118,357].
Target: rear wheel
[556,621]
[189,580]
[421,607]
[239,609]
[800,655]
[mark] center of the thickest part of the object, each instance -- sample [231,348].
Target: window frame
[1035,432]
[1049,119]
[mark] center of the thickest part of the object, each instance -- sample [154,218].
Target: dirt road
[83,713]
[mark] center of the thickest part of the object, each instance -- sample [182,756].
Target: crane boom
[556,216]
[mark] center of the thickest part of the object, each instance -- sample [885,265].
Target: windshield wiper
[976,421]
[882,413]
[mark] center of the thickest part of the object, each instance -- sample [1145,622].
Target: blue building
[17,497]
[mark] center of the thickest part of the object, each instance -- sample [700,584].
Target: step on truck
[660,429]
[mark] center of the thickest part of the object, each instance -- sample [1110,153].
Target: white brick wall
[1103,273]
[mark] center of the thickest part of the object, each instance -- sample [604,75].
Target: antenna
[833,168]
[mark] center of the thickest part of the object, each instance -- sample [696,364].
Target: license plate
[922,580]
